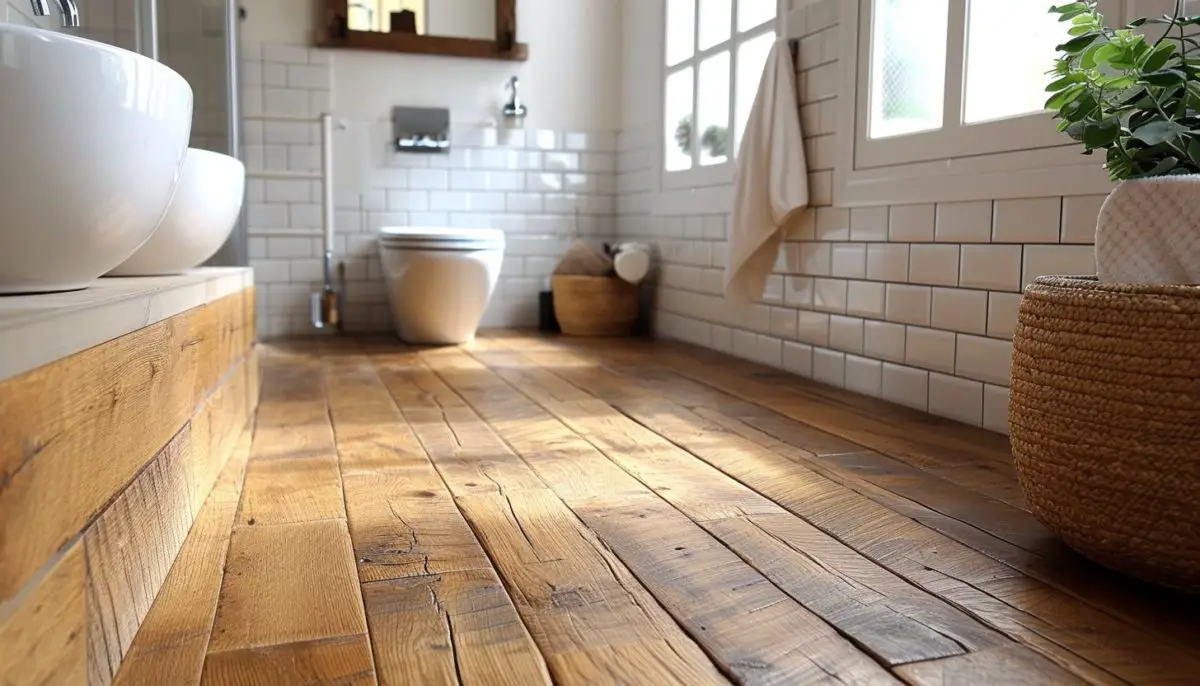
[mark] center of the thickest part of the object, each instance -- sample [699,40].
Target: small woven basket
[595,306]
[1105,422]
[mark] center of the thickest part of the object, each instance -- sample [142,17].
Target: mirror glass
[452,18]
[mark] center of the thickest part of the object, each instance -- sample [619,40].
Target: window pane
[716,19]
[679,121]
[681,30]
[752,13]
[1006,78]
[713,132]
[751,57]
[908,66]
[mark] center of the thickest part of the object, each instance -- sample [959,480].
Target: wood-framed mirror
[480,29]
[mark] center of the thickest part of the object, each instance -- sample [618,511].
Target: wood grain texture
[44,639]
[823,575]
[1022,608]
[170,645]
[293,474]
[994,666]
[288,583]
[345,661]
[589,617]
[440,614]
[403,520]
[450,628]
[659,543]
[100,416]
[219,426]
[525,510]
[129,551]
[997,529]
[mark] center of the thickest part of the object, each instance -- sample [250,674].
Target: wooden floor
[530,510]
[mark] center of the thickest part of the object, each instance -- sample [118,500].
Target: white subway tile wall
[913,303]
[543,189]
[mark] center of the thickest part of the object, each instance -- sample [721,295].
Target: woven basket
[1105,422]
[595,306]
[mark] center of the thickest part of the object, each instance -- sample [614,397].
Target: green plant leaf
[1064,97]
[1164,166]
[1079,44]
[1158,57]
[1193,151]
[1102,134]
[1065,81]
[1166,77]
[1157,132]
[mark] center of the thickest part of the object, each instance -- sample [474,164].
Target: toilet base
[433,341]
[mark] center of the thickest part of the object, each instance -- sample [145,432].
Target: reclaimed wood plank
[101,416]
[994,666]
[998,530]
[402,518]
[592,621]
[44,639]
[293,474]
[129,552]
[170,645]
[287,583]
[741,613]
[436,610]
[803,562]
[345,661]
[450,628]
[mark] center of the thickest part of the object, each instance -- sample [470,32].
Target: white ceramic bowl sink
[200,219]
[92,139]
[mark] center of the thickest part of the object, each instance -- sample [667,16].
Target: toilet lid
[440,238]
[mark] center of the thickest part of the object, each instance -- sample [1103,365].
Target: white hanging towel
[771,182]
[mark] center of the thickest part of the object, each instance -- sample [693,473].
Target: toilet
[440,280]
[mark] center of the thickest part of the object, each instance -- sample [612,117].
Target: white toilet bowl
[439,280]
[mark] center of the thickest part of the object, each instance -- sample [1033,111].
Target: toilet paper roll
[632,265]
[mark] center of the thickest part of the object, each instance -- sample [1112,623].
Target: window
[714,57]
[942,89]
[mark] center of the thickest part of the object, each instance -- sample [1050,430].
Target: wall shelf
[446,46]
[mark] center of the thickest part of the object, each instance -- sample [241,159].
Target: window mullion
[696,57]
[731,120]
[956,65]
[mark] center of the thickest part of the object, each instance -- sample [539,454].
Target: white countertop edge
[36,330]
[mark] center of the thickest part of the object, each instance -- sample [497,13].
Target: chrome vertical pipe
[238,247]
[145,26]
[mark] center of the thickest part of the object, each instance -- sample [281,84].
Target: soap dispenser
[515,111]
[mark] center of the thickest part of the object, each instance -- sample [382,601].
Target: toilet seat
[440,238]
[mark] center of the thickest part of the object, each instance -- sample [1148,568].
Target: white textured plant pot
[1149,232]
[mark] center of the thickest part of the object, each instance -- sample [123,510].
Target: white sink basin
[92,139]
[200,219]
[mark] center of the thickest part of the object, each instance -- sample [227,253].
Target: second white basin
[200,219]
[92,139]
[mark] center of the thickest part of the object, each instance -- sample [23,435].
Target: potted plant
[1105,409]
[1137,98]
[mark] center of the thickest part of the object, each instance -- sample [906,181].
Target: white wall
[543,189]
[912,303]
[18,12]
[570,81]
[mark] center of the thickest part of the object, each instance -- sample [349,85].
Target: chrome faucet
[70,12]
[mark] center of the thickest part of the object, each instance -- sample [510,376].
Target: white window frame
[715,174]
[1017,157]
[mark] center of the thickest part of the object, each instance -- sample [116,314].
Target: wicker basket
[595,306]
[1105,421]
